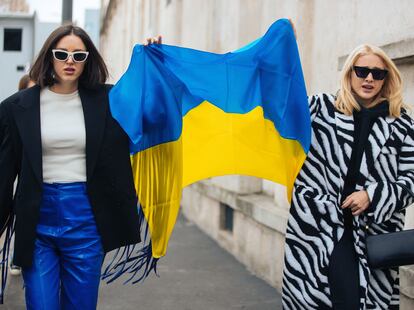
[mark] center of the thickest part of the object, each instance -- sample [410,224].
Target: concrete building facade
[247,216]
[14,6]
[22,36]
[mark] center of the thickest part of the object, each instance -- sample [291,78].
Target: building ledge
[16,15]
[401,52]
[407,281]
[261,208]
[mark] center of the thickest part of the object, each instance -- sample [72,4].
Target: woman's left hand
[153,40]
[357,201]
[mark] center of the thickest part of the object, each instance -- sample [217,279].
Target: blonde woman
[362,148]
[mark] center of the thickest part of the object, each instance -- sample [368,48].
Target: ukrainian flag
[192,115]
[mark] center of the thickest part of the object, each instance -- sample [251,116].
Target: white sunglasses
[62,55]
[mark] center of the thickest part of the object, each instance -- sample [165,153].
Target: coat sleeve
[314,105]
[8,170]
[388,197]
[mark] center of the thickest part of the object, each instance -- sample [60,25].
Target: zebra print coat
[316,220]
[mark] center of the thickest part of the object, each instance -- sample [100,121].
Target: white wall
[41,33]
[9,60]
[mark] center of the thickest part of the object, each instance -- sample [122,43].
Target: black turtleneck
[363,122]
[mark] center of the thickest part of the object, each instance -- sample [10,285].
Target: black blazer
[108,170]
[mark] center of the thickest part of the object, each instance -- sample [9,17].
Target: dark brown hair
[94,72]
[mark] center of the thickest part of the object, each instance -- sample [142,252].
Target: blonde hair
[391,89]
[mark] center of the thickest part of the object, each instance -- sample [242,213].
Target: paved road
[195,275]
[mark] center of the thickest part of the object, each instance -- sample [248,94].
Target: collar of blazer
[27,116]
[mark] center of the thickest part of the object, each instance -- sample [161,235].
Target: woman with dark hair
[75,197]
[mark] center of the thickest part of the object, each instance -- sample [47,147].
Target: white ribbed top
[63,137]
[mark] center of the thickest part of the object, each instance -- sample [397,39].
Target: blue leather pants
[68,252]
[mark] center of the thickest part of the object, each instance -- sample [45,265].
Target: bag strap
[407,189]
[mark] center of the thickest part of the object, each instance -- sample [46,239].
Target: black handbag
[391,249]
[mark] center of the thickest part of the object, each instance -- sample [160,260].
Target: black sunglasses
[63,55]
[377,74]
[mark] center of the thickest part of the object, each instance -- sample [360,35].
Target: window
[12,39]
[226,217]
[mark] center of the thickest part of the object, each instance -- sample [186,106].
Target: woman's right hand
[153,40]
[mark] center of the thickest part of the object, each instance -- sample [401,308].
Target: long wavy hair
[94,73]
[391,89]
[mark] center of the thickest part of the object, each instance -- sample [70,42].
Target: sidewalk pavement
[196,274]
